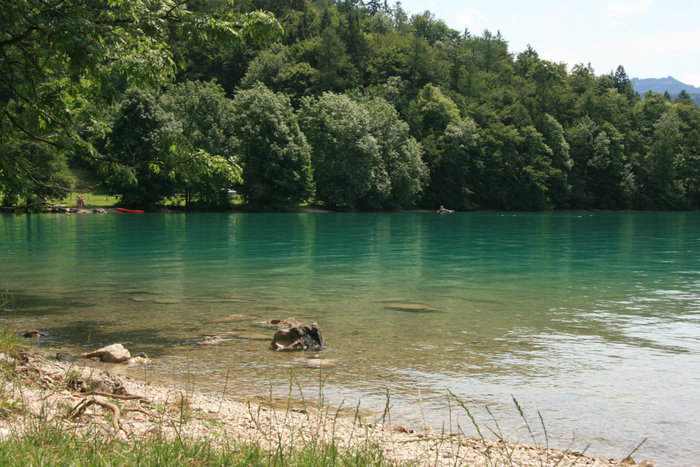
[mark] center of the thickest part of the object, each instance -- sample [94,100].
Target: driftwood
[124,397]
[80,408]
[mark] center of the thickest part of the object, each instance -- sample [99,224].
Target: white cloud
[472,19]
[619,10]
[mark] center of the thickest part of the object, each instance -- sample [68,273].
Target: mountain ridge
[661,85]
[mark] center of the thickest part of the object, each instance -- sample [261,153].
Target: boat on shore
[131,211]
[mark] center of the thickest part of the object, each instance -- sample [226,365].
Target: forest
[349,105]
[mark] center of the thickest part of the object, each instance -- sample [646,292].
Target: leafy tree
[599,166]
[431,111]
[400,154]
[273,151]
[559,183]
[661,165]
[32,173]
[363,155]
[277,69]
[429,114]
[688,164]
[62,60]
[454,176]
[141,147]
[206,127]
[336,71]
[346,159]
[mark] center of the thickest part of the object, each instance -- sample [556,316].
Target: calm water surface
[591,319]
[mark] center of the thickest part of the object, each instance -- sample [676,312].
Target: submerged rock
[65,357]
[256,336]
[412,307]
[115,353]
[139,359]
[308,337]
[34,333]
[212,340]
[319,363]
[280,324]
[233,318]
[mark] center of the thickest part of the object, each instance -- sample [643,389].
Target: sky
[650,38]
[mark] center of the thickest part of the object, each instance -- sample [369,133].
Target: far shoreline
[66,210]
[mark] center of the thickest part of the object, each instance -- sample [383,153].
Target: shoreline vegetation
[359,107]
[54,412]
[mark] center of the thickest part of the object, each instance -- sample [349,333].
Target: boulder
[307,337]
[115,353]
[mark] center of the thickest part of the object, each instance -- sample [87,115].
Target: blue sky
[650,38]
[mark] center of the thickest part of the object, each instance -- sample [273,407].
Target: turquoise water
[593,319]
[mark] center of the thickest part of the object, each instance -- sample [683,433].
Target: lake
[592,319]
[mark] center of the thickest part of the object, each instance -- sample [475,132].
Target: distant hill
[661,85]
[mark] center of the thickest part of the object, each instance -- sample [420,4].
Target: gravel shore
[78,397]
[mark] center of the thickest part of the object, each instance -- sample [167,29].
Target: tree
[141,146]
[622,83]
[280,72]
[454,176]
[43,170]
[560,185]
[598,165]
[400,153]
[346,160]
[661,184]
[348,168]
[64,60]
[207,144]
[336,71]
[517,169]
[273,151]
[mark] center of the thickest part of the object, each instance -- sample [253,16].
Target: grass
[94,200]
[91,200]
[10,342]
[49,445]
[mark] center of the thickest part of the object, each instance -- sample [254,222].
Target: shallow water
[592,319]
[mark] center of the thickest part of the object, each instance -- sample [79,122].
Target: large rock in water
[307,337]
[115,353]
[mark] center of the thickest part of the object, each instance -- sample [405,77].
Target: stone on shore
[115,353]
[307,337]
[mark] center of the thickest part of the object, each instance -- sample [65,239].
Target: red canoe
[133,211]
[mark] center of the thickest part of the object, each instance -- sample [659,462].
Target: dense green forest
[347,104]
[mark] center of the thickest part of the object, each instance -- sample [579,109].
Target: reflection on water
[592,319]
